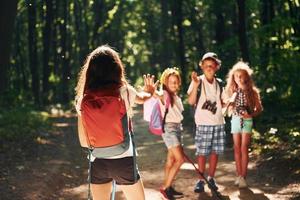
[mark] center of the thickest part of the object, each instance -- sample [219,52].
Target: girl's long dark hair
[102,68]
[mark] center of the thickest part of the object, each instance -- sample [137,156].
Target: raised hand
[195,78]
[149,85]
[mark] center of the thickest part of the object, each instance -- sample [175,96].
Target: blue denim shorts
[239,125]
[172,135]
[210,139]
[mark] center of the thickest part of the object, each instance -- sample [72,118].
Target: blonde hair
[169,72]
[164,80]
[251,91]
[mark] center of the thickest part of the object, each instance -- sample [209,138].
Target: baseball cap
[213,56]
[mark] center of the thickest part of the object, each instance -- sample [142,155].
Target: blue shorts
[172,135]
[210,139]
[239,125]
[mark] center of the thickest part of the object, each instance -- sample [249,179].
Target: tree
[242,30]
[47,38]
[8,12]
[33,55]
[177,15]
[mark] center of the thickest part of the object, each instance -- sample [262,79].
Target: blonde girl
[171,83]
[245,104]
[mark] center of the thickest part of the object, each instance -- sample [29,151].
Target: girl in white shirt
[171,82]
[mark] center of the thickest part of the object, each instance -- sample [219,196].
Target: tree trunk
[242,30]
[65,55]
[80,27]
[8,12]
[33,60]
[99,10]
[197,24]
[177,13]
[47,38]
[164,36]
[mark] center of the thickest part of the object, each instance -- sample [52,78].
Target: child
[171,82]
[210,128]
[104,71]
[245,106]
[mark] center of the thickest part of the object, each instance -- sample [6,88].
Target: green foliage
[278,131]
[22,124]
[146,35]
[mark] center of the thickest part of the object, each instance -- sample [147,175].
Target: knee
[179,161]
[169,163]
[245,148]
[237,149]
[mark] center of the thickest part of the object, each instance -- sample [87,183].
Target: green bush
[22,124]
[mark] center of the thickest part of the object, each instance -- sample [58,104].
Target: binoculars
[211,106]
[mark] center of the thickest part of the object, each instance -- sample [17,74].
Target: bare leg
[101,191]
[237,153]
[177,154]
[169,164]
[201,164]
[246,138]
[213,160]
[134,192]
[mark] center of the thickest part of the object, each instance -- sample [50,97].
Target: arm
[192,95]
[81,133]
[258,107]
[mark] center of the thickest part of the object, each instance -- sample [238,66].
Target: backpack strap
[130,129]
[198,93]
[168,102]
[221,86]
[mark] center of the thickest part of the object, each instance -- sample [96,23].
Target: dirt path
[58,169]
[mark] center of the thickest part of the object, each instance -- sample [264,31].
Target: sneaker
[242,183]
[212,184]
[166,194]
[237,181]
[174,192]
[199,187]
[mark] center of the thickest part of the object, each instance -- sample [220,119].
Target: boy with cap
[205,94]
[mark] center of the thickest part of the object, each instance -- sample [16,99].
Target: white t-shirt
[212,91]
[175,112]
[129,105]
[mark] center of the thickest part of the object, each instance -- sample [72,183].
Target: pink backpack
[153,114]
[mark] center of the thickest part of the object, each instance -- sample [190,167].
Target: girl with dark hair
[103,72]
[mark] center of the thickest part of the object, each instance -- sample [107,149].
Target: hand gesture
[149,85]
[246,115]
[195,78]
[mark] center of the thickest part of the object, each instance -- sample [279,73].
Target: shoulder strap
[198,93]
[168,102]
[135,173]
[129,117]
[221,86]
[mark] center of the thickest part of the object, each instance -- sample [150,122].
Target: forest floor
[55,168]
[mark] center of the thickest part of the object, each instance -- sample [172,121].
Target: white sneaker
[237,181]
[242,183]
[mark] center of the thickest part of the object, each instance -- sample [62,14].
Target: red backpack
[105,122]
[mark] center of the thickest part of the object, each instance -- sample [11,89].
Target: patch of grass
[276,142]
[22,124]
